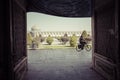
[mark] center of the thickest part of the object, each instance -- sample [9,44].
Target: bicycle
[87,47]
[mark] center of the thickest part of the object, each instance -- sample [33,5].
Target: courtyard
[60,64]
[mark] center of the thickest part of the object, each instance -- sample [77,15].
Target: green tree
[73,40]
[29,39]
[49,40]
[37,41]
[65,39]
[84,34]
[41,38]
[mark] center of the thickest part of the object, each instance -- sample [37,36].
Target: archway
[63,63]
[105,25]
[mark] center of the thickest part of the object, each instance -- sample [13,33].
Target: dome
[35,28]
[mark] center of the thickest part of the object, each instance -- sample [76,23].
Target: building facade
[35,31]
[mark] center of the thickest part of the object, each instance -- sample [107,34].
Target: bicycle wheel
[88,47]
[78,48]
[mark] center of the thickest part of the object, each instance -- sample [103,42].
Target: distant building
[59,33]
[35,31]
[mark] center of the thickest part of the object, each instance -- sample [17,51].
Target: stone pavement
[60,64]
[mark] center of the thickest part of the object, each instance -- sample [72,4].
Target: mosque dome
[35,28]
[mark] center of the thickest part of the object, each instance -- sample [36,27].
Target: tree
[65,39]
[29,39]
[73,41]
[49,40]
[37,41]
[84,34]
[41,38]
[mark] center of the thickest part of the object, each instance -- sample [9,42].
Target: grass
[55,47]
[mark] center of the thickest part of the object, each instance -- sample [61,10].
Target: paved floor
[60,64]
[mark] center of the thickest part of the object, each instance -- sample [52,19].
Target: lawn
[54,47]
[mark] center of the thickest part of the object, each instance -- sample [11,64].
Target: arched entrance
[106,58]
[63,61]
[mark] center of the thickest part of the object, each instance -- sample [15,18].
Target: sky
[54,23]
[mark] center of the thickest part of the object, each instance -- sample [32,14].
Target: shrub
[49,40]
[29,39]
[42,39]
[84,34]
[64,39]
[73,41]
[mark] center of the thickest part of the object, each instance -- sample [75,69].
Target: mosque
[35,31]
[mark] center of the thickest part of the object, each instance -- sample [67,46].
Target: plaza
[60,64]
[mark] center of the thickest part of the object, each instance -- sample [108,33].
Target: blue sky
[54,23]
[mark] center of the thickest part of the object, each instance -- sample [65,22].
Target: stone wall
[19,58]
[105,53]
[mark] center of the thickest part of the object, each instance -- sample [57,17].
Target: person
[82,42]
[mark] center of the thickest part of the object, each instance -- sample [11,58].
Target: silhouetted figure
[82,42]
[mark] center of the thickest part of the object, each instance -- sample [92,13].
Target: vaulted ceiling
[64,8]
